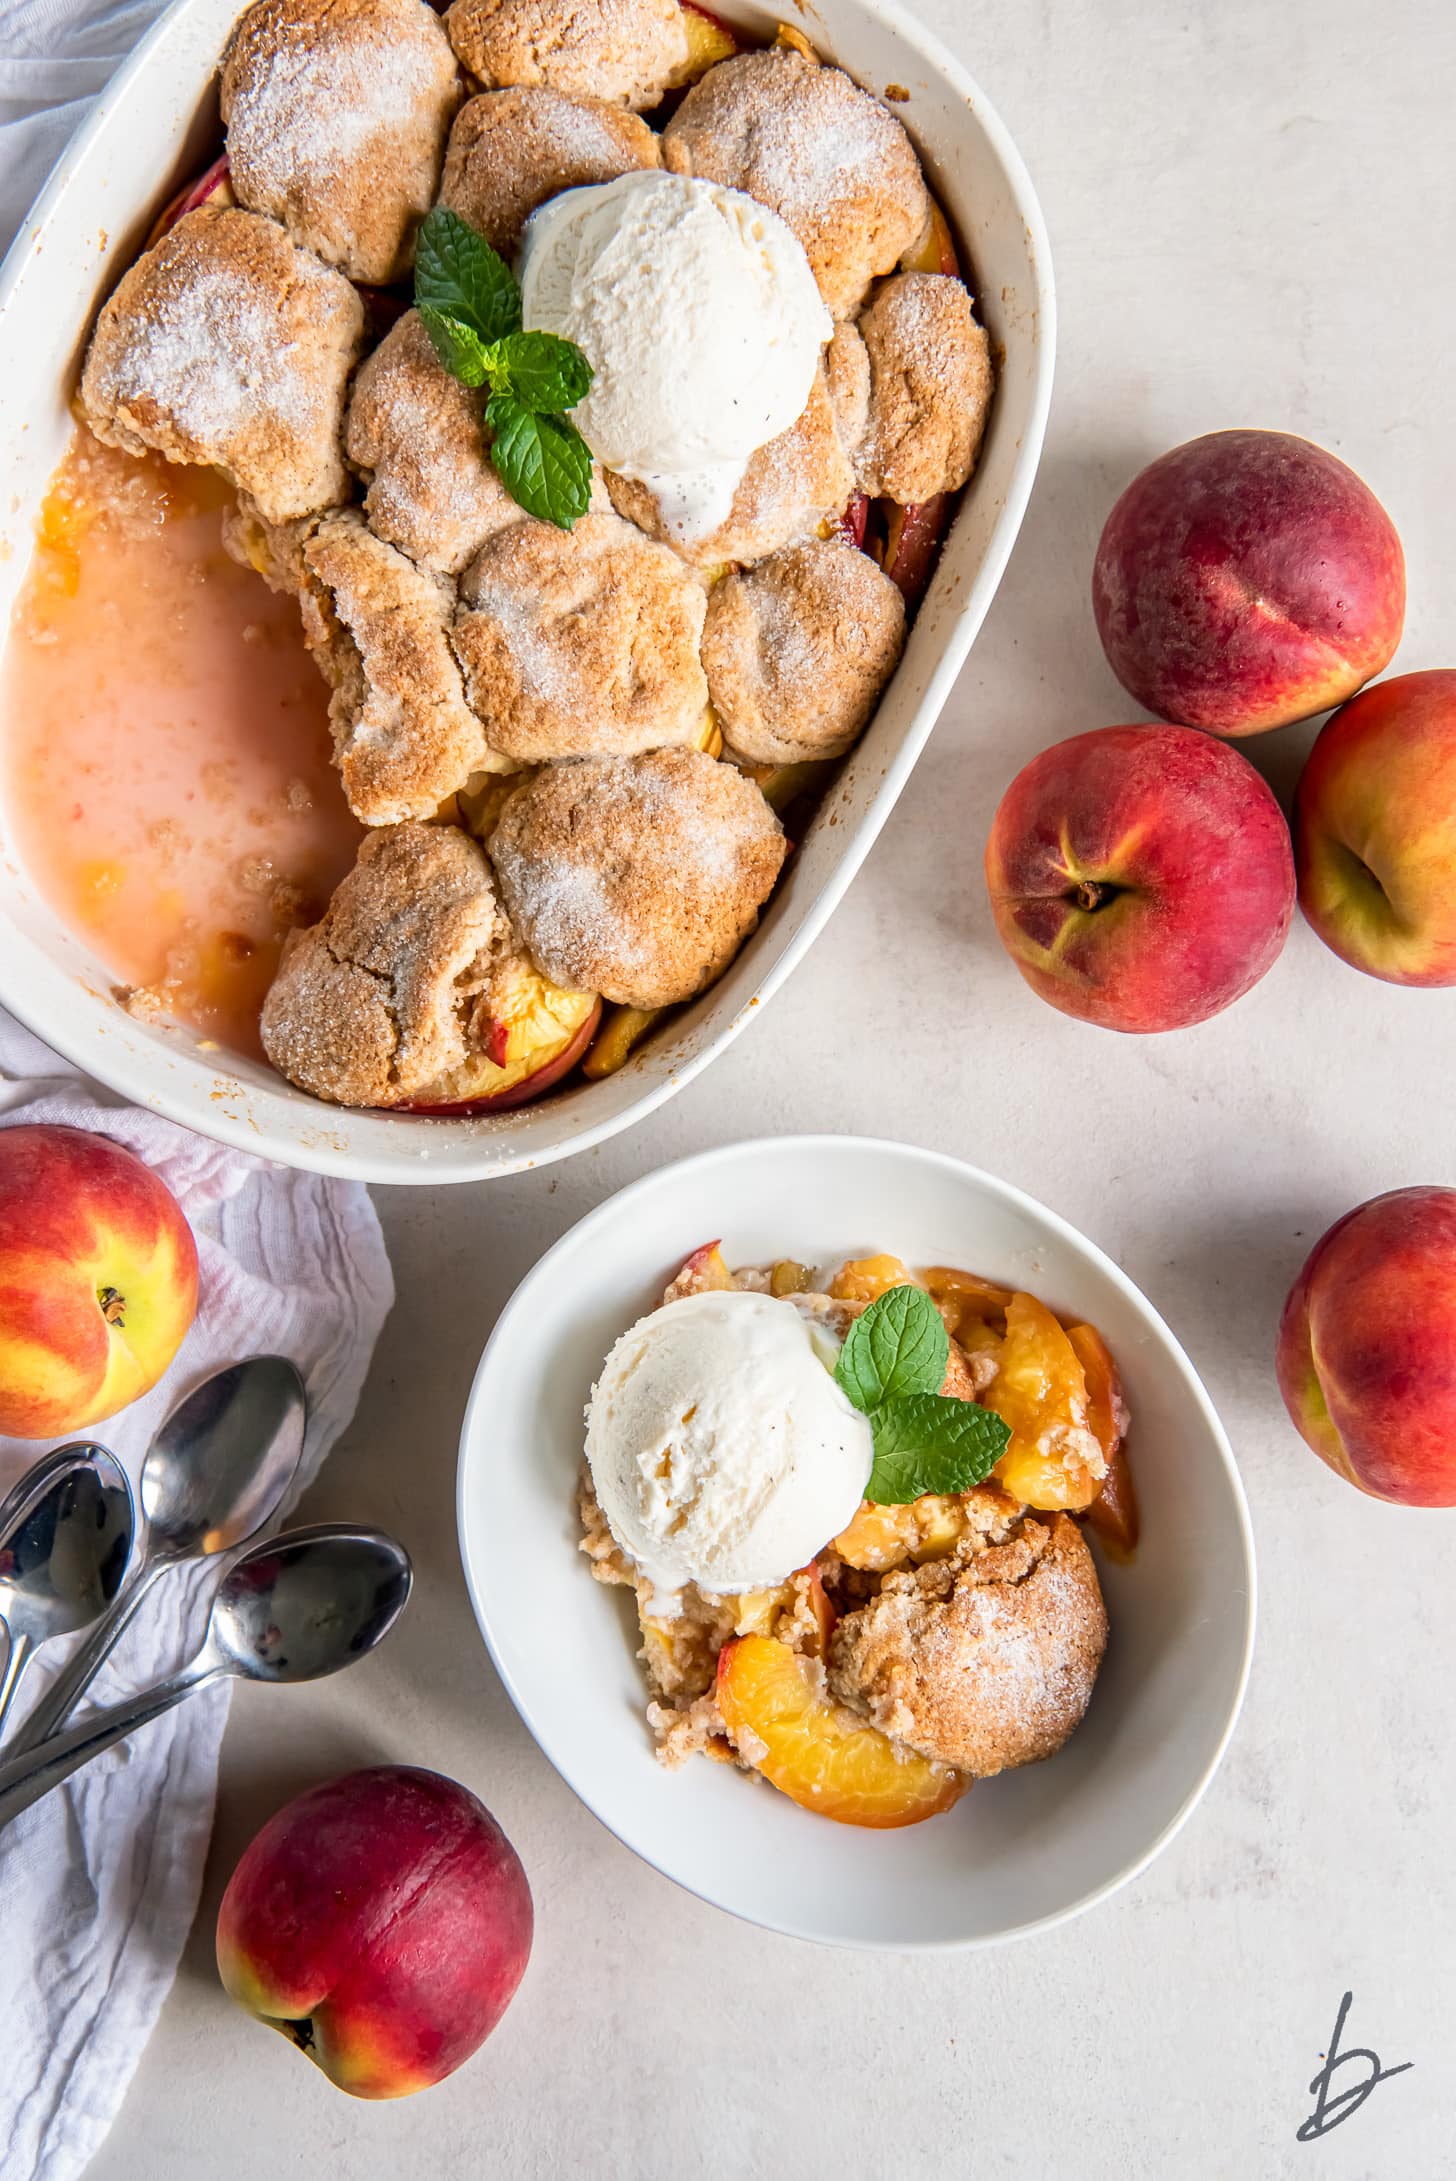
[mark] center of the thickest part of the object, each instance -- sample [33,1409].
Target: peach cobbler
[851,1510]
[590,387]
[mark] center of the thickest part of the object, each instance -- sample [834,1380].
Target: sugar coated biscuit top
[830,160]
[637,877]
[930,388]
[627,51]
[226,343]
[337,113]
[511,150]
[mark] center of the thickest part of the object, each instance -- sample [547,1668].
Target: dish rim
[806,1146]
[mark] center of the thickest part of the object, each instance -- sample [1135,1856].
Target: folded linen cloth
[99,1882]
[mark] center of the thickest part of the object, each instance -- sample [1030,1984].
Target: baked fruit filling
[660,604]
[938,1637]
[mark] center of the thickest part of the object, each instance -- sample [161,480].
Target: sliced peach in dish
[879,1538]
[210,187]
[1114,1512]
[850,527]
[912,540]
[710,40]
[623,1028]
[965,1300]
[934,251]
[535,1036]
[814,1751]
[796,42]
[1053,1459]
[702,1272]
[863,1279]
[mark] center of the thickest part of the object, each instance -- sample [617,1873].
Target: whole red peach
[382,1922]
[1367,1347]
[98,1279]
[1245,580]
[1375,830]
[1140,877]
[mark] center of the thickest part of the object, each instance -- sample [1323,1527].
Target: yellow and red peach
[1375,830]
[98,1279]
[1140,877]
[1245,580]
[382,1922]
[1366,1353]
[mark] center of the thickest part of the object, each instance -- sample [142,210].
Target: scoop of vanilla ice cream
[697,310]
[722,1449]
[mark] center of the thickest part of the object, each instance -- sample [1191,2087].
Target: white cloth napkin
[99,1882]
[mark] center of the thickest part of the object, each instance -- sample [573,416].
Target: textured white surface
[1247,204]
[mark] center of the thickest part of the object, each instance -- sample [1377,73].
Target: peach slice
[520,1060]
[710,40]
[212,186]
[912,540]
[1053,1459]
[935,250]
[849,528]
[814,1751]
[622,1029]
[1114,1512]
[863,1279]
[703,1272]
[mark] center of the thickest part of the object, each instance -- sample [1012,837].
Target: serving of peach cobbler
[851,1507]
[589,386]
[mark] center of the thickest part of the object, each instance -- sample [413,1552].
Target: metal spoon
[66,1535]
[292,1608]
[215,1474]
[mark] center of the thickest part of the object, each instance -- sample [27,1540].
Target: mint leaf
[540,369]
[461,351]
[926,1442]
[543,462]
[898,1346]
[458,274]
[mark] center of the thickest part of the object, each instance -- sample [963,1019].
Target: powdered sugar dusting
[312,104]
[215,358]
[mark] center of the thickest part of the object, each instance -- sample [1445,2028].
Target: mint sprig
[892,1367]
[470,305]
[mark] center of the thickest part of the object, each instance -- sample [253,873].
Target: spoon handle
[24,1779]
[17,1658]
[52,1711]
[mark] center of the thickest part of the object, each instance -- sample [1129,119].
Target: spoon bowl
[216,1473]
[291,1608]
[66,1534]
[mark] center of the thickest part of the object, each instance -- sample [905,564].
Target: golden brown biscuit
[337,113]
[930,388]
[827,157]
[511,150]
[798,649]
[404,737]
[418,437]
[583,642]
[226,343]
[983,1660]
[628,51]
[788,487]
[389,991]
[637,877]
[272,550]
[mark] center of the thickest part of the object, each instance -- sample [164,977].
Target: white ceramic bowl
[1016,1854]
[153,127]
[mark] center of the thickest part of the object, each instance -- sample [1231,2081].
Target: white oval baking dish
[151,129]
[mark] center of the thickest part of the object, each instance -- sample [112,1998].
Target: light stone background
[1252,214]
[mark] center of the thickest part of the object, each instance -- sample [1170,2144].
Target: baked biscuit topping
[226,343]
[826,156]
[581,643]
[798,649]
[417,436]
[638,878]
[628,51]
[386,994]
[404,737]
[511,150]
[336,114]
[930,388]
